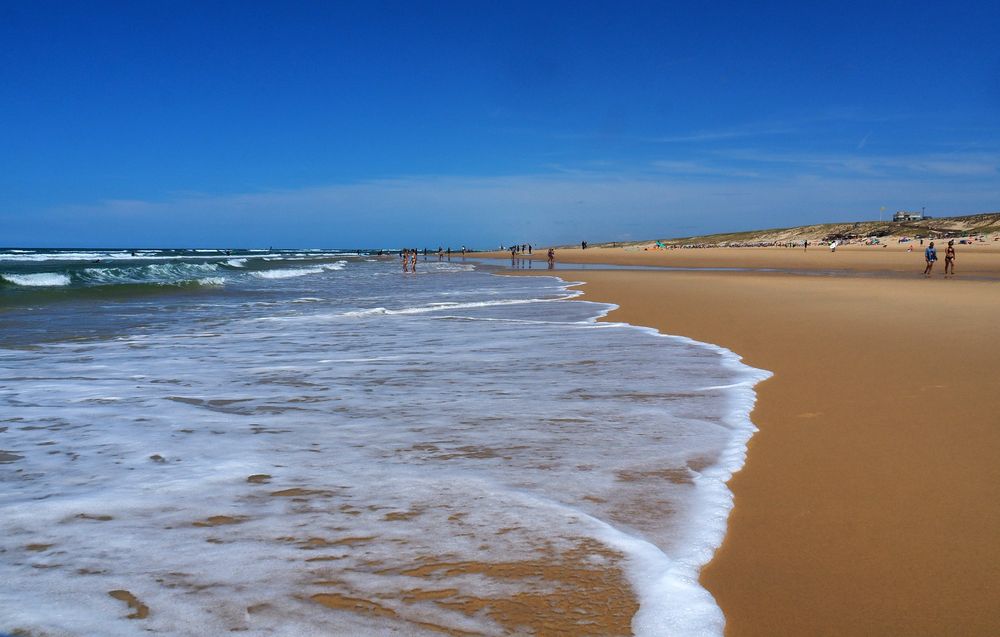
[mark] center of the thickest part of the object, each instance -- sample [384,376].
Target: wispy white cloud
[547,208]
[954,164]
[788,127]
[701,168]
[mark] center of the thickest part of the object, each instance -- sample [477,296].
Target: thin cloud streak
[718,135]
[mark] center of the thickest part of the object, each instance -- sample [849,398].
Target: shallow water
[249,455]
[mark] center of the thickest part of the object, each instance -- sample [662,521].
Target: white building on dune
[905,215]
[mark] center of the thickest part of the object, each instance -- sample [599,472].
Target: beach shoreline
[869,500]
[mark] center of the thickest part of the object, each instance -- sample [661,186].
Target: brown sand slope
[870,502]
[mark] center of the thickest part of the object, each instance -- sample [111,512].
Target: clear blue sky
[375,124]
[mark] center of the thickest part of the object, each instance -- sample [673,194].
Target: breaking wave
[40,279]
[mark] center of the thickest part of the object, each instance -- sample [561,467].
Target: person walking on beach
[930,255]
[949,258]
[552,258]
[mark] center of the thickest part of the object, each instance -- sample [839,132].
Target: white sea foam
[236,263]
[452,417]
[287,273]
[90,257]
[40,279]
[372,311]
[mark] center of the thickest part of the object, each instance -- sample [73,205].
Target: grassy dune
[970,225]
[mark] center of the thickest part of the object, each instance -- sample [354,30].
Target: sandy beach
[870,501]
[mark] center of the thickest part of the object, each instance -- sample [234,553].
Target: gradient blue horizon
[395,123]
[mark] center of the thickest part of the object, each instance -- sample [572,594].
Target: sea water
[234,438]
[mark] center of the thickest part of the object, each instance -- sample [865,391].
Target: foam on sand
[389,473]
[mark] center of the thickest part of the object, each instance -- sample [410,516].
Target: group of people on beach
[409,257]
[930,256]
[520,255]
[518,248]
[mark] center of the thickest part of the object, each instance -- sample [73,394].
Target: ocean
[312,442]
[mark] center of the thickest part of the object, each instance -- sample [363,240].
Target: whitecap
[287,274]
[40,279]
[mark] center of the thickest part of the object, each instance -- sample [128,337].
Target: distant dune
[970,225]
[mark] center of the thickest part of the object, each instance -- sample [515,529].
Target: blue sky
[376,124]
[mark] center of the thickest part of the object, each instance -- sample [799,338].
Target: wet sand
[978,261]
[870,501]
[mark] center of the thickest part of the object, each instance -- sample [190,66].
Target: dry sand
[870,501]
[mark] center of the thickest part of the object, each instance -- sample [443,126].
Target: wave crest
[162,273]
[39,279]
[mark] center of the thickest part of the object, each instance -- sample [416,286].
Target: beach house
[904,215]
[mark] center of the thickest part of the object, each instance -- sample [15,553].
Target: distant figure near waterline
[413,261]
[552,258]
[930,255]
[949,258]
[405,255]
